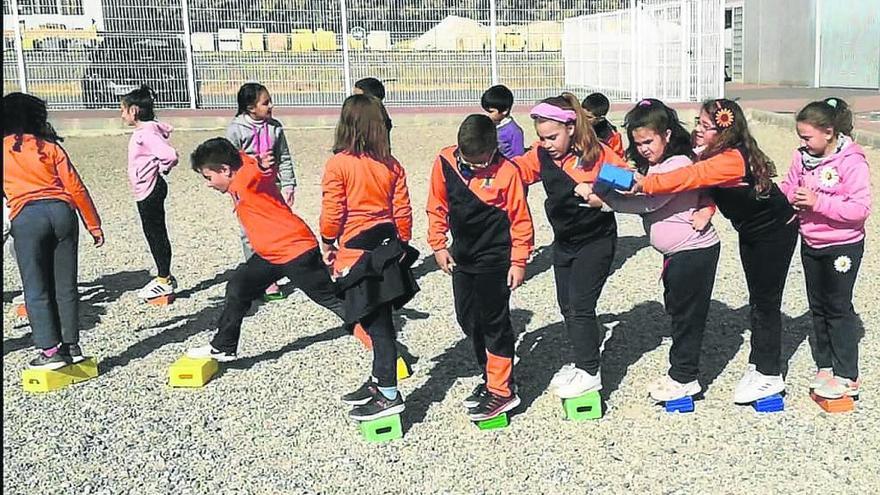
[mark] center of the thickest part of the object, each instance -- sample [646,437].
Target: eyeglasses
[464,163]
[700,125]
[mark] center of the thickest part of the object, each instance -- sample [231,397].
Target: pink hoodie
[149,153]
[842,181]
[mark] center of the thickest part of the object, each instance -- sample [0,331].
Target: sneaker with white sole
[18,300]
[209,352]
[72,352]
[49,359]
[157,288]
[666,389]
[378,406]
[571,381]
[822,376]
[493,405]
[756,385]
[838,387]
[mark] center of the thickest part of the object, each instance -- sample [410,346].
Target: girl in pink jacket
[150,156]
[828,183]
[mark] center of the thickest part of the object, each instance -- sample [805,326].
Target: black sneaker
[72,353]
[53,362]
[493,405]
[362,395]
[378,407]
[476,396]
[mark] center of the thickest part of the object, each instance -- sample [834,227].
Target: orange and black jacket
[35,169]
[573,224]
[359,195]
[485,210]
[733,189]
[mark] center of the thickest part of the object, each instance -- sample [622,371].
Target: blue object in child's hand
[616,177]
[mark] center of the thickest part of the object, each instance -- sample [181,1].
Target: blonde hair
[584,141]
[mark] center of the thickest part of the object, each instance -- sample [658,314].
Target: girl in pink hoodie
[829,184]
[150,156]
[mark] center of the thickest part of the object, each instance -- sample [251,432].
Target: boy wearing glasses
[477,195]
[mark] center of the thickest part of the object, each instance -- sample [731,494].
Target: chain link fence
[196,53]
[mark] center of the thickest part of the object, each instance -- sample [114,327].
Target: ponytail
[832,113]
[145,99]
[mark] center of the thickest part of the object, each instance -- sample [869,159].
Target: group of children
[360,266]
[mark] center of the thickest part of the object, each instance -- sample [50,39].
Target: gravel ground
[272,422]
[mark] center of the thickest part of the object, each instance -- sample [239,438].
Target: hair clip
[645,103]
[832,102]
[723,117]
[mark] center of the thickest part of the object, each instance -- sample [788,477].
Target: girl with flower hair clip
[829,184]
[738,176]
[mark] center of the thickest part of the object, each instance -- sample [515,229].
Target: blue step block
[683,405]
[616,177]
[774,403]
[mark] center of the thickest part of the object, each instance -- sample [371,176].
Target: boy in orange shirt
[598,105]
[477,195]
[283,244]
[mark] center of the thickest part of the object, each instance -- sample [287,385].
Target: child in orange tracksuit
[567,154]
[477,195]
[283,244]
[366,224]
[44,193]
[598,105]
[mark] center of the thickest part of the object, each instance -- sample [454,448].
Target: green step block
[382,429]
[500,421]
[584,407]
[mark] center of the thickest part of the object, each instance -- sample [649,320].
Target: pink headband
[552,112]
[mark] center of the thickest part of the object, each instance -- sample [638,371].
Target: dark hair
[213,154]
[362,130]
[477,135]
[248,94]
[144,98]
[831,113]
[498,97]
[584,141]
[371,86]
[27,114]
[655,115]
[597,104]
[733,133]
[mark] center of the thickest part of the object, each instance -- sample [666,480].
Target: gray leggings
[46,236]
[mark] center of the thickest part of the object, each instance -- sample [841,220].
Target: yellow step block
[189,372]
[36,380]
[403,369]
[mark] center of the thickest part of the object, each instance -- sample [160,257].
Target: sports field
[272,422]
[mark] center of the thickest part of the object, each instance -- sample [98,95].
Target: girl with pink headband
[566,154]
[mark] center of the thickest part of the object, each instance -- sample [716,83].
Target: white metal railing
[195,53]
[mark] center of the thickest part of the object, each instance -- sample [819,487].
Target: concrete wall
[779,45]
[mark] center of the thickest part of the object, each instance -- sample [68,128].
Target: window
[72,7]
[728,19]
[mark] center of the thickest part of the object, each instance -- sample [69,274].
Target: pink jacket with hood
[842,183]
[149,153]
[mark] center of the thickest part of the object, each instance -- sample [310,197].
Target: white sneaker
[756,385]
[156,288]
[209,352]
[666,389]
[822,376]
[571,381]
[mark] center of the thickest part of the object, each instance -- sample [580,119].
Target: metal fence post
[493,32]
[346,63]
[19,52]
[633,46]
[187,43]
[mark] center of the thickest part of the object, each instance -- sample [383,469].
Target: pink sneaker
[838,387]
[822,376]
